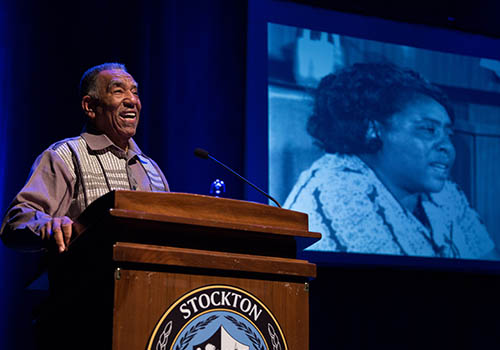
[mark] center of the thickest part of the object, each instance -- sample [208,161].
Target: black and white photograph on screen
[389,149]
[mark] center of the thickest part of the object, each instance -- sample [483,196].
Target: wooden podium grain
[135,253]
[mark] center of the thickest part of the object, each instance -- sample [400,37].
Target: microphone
[201,153]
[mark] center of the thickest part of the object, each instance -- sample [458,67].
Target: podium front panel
[142,298]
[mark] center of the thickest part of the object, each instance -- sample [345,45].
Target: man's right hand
[58,229]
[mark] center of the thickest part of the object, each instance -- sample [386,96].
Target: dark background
[189,58]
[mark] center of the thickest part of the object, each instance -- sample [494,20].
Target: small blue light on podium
[217,188]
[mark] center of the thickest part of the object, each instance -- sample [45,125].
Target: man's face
[118,107]
[417,153]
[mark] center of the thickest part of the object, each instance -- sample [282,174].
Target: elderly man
[74,172]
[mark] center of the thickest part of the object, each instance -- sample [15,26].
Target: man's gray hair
[88,84]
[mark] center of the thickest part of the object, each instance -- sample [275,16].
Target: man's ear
[88,106]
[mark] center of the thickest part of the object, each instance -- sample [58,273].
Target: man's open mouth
[128,115]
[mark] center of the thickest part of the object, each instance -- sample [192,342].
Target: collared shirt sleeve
[48,193]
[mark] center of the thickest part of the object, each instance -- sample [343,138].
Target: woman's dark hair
[348,101]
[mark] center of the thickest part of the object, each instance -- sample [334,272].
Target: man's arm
[37,214]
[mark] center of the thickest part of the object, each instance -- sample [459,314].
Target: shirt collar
[97,142]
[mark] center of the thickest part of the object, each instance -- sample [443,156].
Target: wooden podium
[136,255]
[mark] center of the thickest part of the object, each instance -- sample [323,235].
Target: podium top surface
[200,211]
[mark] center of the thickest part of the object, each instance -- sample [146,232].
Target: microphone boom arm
[204,154]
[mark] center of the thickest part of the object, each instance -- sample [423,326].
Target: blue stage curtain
[189,60]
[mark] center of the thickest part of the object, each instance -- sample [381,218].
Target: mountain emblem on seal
[221,340]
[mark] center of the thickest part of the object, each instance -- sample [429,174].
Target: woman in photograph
[383,184]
